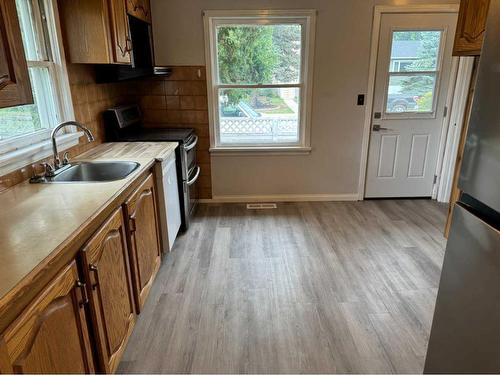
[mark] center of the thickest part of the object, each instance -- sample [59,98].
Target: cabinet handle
[128,45]
[122,51]
[83,290]
[93,268]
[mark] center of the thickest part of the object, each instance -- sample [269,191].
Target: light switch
[361,99]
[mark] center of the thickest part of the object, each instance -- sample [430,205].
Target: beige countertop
[38,220]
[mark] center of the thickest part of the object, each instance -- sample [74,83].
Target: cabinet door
[140,9]
[51,335]
[107,273]
[144,246]
[471,27]
[122,44]
[86,29]
[15,88]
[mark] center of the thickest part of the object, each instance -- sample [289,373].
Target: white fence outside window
[235,129]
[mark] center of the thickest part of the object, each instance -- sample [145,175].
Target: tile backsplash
[177,101]
[181,101]
[90,100]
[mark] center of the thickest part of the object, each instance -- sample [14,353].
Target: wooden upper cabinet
[96,31]
[471,27]
[144,246]
[51,334]
[15,87]
[122,44]
[140,9]
[109,286]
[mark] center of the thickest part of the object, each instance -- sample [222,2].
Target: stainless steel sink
[98,171]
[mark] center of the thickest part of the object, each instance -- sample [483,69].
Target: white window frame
[25,149]
[307,18]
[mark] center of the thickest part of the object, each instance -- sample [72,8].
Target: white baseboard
[281,198]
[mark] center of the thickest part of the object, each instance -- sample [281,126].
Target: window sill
[256,151]
[23,156]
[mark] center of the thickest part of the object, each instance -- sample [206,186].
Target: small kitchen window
[260,79]
[414,70]
[24,127]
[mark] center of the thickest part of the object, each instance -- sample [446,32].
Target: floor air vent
[261,206]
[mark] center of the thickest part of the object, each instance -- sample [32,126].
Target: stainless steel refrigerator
[465,334]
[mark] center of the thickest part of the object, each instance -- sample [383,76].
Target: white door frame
[379,10]
[445,125]
[453,129]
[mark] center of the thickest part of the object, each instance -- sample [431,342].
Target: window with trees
[413,72]
[260,70]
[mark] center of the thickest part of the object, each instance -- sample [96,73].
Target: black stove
[140,134]
[125,124]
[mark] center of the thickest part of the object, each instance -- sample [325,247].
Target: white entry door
[411,83]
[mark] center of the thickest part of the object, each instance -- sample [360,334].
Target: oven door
[189,157]
[191,194]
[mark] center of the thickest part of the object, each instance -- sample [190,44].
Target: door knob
[377,128]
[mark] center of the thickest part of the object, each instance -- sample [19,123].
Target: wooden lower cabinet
[51,335]
[144,246]
[82,325]
[107,274]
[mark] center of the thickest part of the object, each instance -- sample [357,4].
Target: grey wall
[342,54]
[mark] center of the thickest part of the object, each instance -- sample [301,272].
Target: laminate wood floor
[346,287]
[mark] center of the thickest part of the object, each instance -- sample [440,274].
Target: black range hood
[116,73]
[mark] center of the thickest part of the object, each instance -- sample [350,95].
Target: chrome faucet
[57,161]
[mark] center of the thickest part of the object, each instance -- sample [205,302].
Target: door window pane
[250,115]
[411,93]
[413,71]
[415,51]
[259,54]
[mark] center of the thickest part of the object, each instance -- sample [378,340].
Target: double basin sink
[96,171]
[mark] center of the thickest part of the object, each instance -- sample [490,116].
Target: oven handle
[192,144]
[193,180]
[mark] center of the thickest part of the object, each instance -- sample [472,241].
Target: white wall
[340,73]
